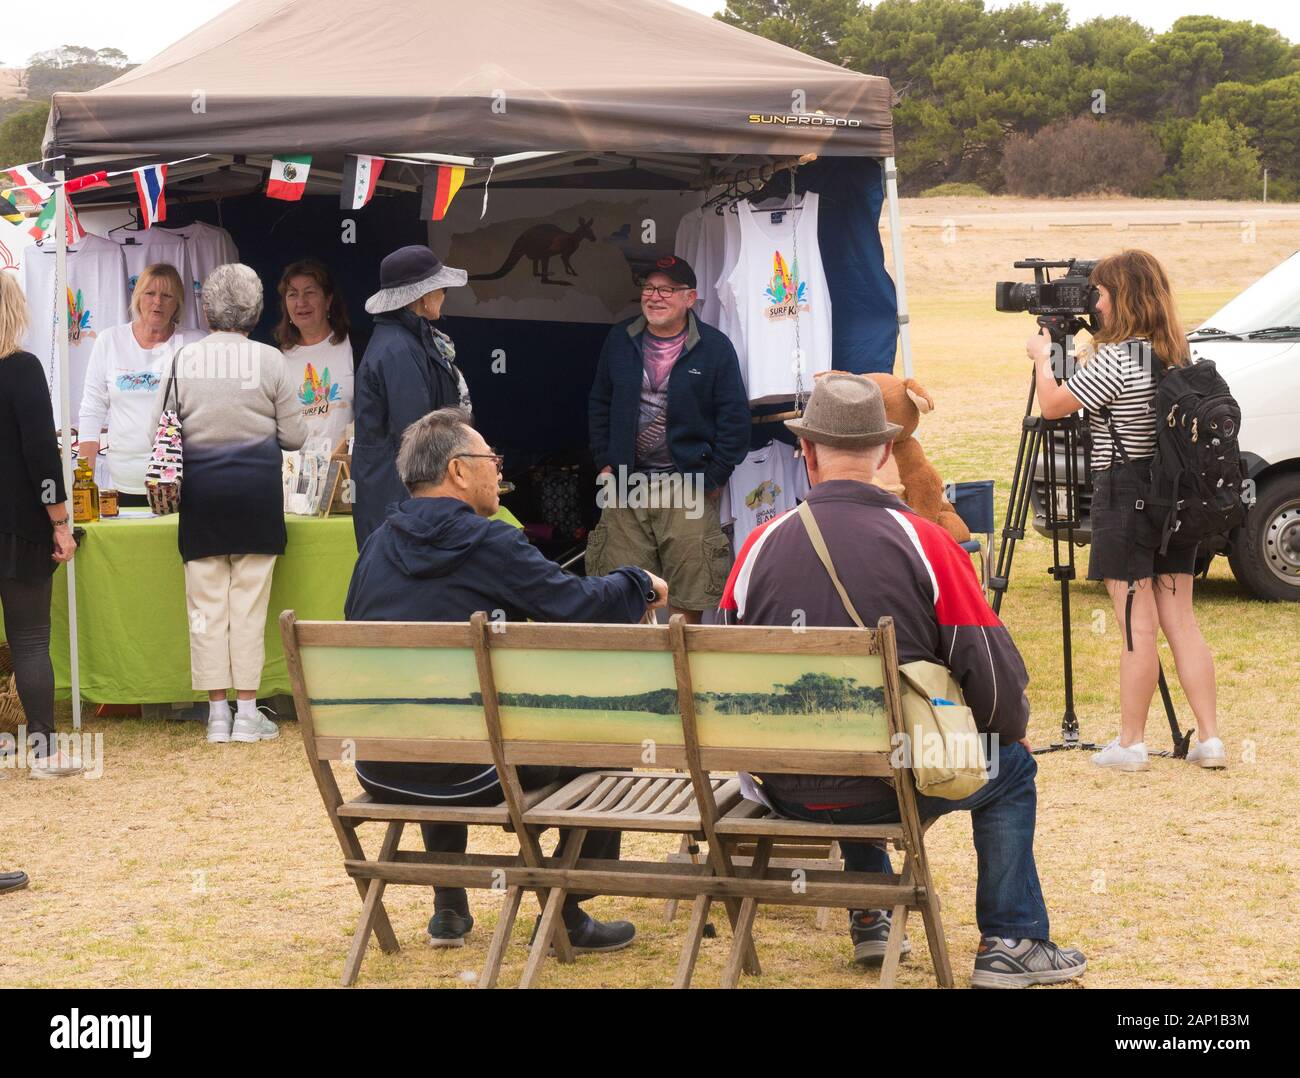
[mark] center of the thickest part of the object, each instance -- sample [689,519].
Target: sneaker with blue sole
[1021,963]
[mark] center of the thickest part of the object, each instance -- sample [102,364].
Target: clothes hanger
[132,225]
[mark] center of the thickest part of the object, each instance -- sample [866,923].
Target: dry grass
[189,864]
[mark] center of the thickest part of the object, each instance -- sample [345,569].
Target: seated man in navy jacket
[439,558]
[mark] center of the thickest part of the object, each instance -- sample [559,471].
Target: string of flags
[29,189]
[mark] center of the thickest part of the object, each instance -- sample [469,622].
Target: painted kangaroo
[539,245]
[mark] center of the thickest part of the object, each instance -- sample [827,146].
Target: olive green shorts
[692,555]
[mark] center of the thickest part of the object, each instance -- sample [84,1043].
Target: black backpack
[1197,478]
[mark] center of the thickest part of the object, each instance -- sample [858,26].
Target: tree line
[1019,100]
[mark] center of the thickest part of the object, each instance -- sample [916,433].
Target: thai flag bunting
[150,182]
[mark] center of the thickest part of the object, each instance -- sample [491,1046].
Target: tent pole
[900,278]
[65,417]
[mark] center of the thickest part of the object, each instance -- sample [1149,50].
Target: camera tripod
[1056,443]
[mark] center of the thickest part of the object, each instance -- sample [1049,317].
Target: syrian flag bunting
[150,182]
[360,177]
[288,179]
[441,183]
[26,186]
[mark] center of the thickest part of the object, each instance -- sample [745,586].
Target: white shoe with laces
[1117,757]
[219,728]
[1209,754]
[257,727]
[58,766]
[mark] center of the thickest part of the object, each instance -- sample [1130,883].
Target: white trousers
[227,598]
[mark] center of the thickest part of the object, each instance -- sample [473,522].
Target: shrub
[955,190]
[1219,162]
[1081,156]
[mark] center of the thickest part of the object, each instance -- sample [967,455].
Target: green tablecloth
[131,613]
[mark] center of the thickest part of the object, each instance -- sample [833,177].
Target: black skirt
[1115,553]
[21,559]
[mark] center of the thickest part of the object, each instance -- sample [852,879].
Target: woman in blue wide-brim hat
[408,370]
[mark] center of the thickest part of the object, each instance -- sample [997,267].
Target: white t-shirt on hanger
[156,245]
[770,286]
[122,385]
[729,318]
[322,377]
[97,299]
[764,485]
[206,247]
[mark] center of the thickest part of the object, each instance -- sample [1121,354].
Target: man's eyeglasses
[662,291]
[485,456]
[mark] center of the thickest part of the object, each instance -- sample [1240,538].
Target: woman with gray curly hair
[238,410]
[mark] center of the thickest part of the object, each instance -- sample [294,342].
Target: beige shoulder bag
[947,752]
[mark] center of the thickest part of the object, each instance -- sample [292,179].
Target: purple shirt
[658,354]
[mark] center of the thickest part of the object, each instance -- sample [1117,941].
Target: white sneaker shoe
[58,766]
[219,729]
[1118,758]
[1209,754]
[256,728]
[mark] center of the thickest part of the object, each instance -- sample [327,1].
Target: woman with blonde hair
[1139,335]
[124,379]
[35,531]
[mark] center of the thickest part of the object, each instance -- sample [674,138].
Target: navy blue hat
[409,273]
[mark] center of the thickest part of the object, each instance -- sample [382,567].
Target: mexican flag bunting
[288,179]
[441,182]
[360,177]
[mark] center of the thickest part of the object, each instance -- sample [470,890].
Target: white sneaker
[1209,754]
[58,766]
[219,729]
[1119,758]
[255,728]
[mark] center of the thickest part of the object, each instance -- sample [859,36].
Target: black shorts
[1115,553]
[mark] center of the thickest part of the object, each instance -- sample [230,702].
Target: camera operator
[1137,328]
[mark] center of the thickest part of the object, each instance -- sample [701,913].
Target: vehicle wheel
[1266,558]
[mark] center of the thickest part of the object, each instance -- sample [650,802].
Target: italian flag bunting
[440,186]
[288,179]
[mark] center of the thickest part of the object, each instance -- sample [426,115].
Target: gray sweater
[238,410]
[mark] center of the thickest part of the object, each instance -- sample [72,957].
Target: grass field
[188,864]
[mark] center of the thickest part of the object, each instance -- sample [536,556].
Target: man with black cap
[669,420]
[409,370]
[873,557]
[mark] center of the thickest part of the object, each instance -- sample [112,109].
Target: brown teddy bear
[912,477]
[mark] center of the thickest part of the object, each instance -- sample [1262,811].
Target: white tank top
[769,284]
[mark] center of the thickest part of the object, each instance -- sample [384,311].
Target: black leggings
[27,627]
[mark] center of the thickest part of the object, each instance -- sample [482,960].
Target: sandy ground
[188,864]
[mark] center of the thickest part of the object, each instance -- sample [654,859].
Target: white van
[1254,341]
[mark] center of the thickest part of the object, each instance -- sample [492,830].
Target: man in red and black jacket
[893,563]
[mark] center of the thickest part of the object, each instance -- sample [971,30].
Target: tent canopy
[492,78]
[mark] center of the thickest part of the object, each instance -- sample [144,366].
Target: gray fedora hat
[409,273]
[845,411]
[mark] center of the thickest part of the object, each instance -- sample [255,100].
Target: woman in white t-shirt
[313,335]
[124,378]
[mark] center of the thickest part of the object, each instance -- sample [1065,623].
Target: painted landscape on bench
[742,700]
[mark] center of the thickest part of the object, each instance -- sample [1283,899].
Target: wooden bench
[668,713]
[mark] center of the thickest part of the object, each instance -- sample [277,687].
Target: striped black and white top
[1120,377]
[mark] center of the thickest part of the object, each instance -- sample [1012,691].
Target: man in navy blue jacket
[439,558]
[669,421]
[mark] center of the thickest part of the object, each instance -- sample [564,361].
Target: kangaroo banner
[557,255]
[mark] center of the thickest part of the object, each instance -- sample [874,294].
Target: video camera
[1067,296]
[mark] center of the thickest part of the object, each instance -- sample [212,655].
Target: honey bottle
[85,493]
